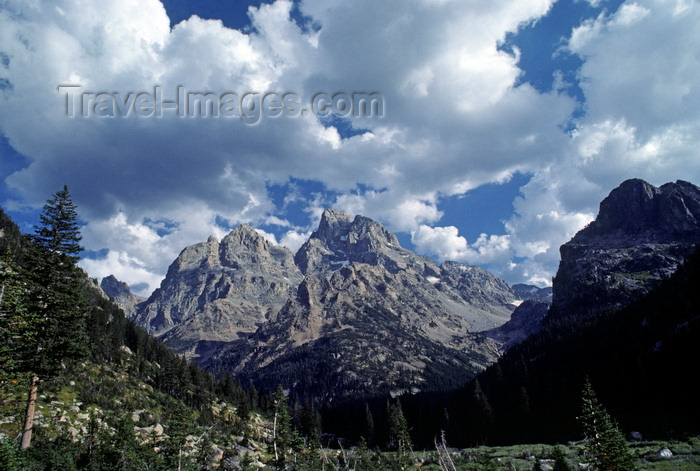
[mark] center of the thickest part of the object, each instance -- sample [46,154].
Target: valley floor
[685,457]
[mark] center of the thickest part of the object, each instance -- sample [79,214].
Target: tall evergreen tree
[483,413]
[399,432]
[369,418]
[605,445]
[59,232]
[284,437]
[58,308]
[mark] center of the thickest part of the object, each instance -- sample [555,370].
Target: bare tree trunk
[29,422]
[274,437]
[446,463]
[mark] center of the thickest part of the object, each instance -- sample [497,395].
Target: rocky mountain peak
[216,291]
[636,208]
[340,241]
[640,236]
[250,306]
[244,247]
[245,237]
[121,294]
[365,231]
[336,226]
[113,287]
[194,256]
[333,223]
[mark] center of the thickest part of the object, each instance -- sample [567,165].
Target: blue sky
[505,122]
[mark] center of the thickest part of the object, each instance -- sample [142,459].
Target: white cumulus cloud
[454,120]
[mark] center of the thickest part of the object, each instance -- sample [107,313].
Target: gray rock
[640,236]
[121,294]
[215,292]
[525,320]
[664,453]
[381,315]
[526,292]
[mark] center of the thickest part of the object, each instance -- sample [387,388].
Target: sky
[503,123]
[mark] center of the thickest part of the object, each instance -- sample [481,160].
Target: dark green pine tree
[285,439]
[399,432]
[560,463]
[59,232]
[59,310]
[369,418]
[177,428]
[17,326]
[122,450]
[205,452]
[483,414]
[605,445]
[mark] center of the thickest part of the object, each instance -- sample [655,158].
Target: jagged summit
[215,291]
[122,295]
[640,236]
[637,209]
[351,291]
[113,287]
[244,247]
[340,241]
[372,316]
[333,223]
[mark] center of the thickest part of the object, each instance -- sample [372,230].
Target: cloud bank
[454,120]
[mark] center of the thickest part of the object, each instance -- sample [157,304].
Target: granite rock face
[380,317]
[386,319]
[641,234]
[530,292]
[122,295]
[215,292]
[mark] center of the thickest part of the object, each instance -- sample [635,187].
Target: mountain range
[375,317]
[353,313]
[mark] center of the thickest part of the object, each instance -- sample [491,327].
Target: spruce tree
[58,308]
[399,432]
[369,418]
[61,313]
[59,232]
[178,426]
[605,444]
[483,413]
